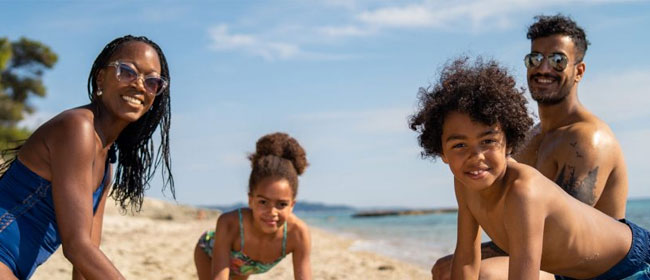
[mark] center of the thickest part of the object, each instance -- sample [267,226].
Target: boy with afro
[474,118]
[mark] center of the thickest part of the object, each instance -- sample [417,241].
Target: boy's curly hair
[483,90]
[559,24]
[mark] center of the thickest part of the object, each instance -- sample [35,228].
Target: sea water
[420,239]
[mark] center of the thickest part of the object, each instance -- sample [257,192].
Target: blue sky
[341,76]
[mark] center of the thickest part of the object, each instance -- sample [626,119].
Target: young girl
[253,240]
[54,191]
[473,120]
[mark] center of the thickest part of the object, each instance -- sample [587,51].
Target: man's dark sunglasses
[558,61]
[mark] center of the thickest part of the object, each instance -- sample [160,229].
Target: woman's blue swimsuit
[28,229]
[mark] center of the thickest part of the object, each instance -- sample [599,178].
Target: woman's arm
[466,261]
[73,149]
[301,255]
[223,238]
[98,220]
[524,222]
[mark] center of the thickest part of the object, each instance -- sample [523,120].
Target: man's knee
[441,270]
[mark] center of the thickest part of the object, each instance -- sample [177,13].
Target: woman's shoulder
[76,120]
[69,130]
[78,115]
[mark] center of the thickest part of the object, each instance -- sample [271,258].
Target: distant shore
[381,213]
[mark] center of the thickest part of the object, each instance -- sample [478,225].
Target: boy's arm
[467,256]
[524,223]
[301,260]
[223,238]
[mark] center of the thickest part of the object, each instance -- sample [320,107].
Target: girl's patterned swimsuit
[240,263]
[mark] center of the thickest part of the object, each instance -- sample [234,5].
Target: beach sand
[158,243]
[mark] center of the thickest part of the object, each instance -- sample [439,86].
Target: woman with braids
[253,240]
[54,189]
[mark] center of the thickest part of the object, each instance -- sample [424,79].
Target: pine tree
[22,64]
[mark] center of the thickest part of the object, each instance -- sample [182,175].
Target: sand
[159,243]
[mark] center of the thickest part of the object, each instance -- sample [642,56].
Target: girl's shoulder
[229,219]
[298,236]
[228,226]
[297,228]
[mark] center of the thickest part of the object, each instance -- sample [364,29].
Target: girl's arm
[524,223]
[466,261]
[301,255]
[73,151]
[223,238]
[98,221]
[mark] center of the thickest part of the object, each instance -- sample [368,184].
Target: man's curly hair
[483,90]
[559,24]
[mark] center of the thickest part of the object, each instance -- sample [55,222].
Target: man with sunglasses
[570,145]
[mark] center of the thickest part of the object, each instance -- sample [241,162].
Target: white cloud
[347,4]
[408,16]
[270,50]
[164,13]
[346,31]
[222,39]
[480,14]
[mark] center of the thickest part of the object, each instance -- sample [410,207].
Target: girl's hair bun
[281,145]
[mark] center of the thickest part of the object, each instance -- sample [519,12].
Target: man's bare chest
[541,152]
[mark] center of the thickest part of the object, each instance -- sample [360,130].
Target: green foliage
[12,136]
[5,52]
[22,64]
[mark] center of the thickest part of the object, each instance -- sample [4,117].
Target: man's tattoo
[582,190]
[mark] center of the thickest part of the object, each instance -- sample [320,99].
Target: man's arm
[441,270]
[585,160]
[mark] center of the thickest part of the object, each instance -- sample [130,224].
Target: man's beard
[549,100]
